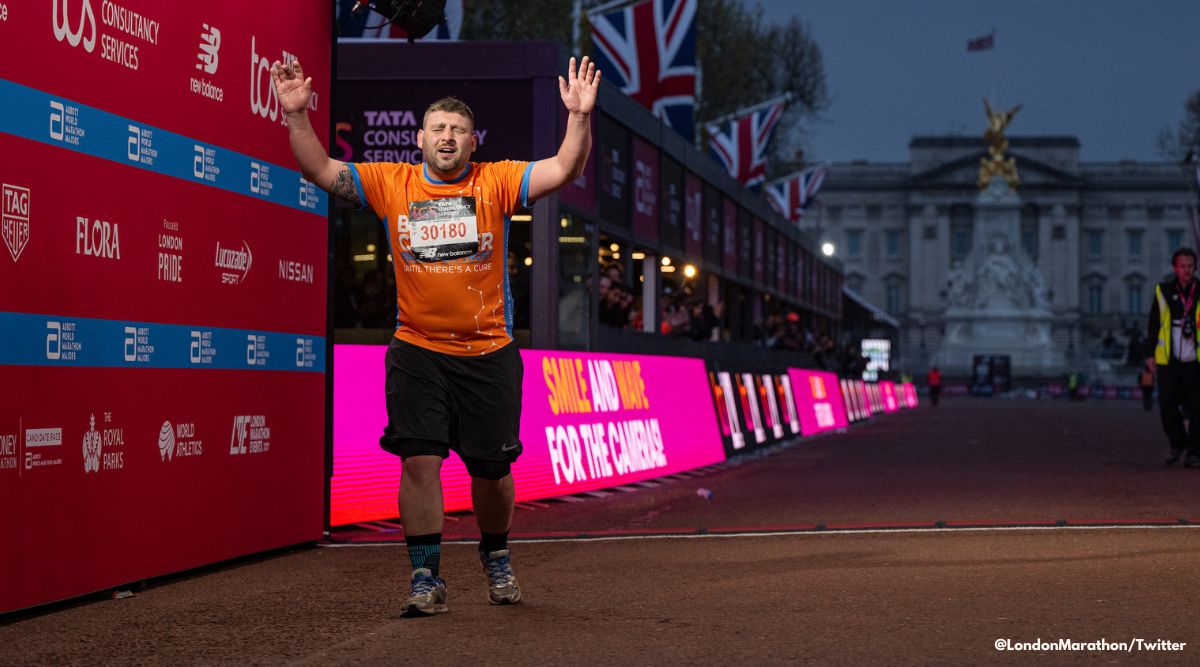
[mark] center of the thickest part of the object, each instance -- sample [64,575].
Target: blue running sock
[425,551]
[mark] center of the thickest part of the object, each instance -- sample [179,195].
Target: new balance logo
[210,44]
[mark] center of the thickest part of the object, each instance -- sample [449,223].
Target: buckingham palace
[1088,242]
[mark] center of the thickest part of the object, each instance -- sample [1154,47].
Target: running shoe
[502,584]
[428,595]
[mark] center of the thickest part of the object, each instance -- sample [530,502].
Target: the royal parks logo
[91,448]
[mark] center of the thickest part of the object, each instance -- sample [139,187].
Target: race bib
[441,229]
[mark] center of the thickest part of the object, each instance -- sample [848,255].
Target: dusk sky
[1113,73]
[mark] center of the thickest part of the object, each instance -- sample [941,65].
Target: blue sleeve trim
[525,185]
[362,196]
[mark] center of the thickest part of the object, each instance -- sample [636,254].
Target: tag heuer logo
[15,202]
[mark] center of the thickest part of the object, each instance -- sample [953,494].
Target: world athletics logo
[166,441]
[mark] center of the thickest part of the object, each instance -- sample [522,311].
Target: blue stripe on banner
[54,340]
[38,116]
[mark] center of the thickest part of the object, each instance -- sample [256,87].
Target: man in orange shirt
[453,374]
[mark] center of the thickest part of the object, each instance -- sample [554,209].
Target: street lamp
[827,248]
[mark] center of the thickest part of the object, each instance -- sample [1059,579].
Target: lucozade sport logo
[62,25]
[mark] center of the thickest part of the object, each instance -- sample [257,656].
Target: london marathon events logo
[15,202]
[251,435]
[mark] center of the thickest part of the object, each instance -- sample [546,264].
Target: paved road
[661,587]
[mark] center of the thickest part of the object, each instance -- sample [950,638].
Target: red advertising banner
[588,421]
[162,320]
[581,193]
[819,400]
[759,251]
[729,255]
[645,190]
[693,239]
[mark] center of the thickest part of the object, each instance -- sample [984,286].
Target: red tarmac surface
[670,577]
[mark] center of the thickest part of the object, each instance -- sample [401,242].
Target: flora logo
[62,25]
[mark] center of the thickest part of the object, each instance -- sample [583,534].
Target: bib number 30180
[441,229]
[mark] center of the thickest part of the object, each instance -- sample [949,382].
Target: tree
[743,61]
[1178,144]
[518,21]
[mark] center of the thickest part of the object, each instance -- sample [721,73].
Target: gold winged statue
[995,163]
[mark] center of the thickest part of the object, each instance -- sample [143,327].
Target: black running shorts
[440,402]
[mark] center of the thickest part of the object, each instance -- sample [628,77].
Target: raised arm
[294,92]
[578,93]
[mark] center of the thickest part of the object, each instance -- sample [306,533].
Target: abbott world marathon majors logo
[104,448]
[178,440]
[15,202]
[251,435]
[264,103]
[611,445]
[127,30]
[43,447]
[234,263]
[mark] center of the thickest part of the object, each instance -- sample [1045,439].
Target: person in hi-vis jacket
[1173,327]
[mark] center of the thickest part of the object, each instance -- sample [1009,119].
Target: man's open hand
[578,90]
[292,88]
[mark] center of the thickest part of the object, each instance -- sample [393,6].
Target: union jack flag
[792,194]
[741,143]
[649,51]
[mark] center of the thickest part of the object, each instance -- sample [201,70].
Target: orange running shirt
[449,244]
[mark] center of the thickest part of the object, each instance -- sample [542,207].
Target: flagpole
[609,6]
[992,74]
[786,97]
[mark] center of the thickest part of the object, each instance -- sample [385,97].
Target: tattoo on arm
[343,186]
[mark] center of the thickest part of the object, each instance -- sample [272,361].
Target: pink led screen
[819,400]
[909,393]
[887,389]
[589,421]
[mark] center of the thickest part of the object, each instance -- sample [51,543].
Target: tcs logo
[62,24]
[263,100]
